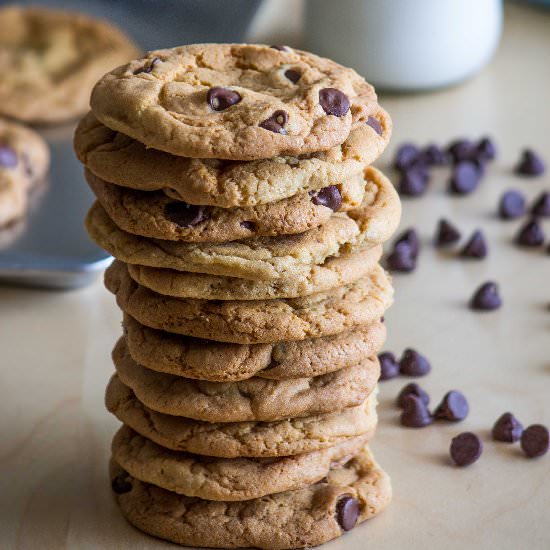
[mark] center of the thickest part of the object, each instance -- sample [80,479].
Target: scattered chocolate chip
[541,207]
[414,364]
[8,157]
[433,155]
[183,214]
[401,259]
[148,67]
[293,75]
[280,47]
[121,483]
[374,123]
[461,150]
[251,226]
[531,234]
[413,183]
[507,428]
[465,449]
[410,236]
[412,389]
[486,298]
[446,233]
[220,98]
[530,164]
[275,123]
[347,512]
[389,366]
[485,149]
[535,440]
[415,413]
[476,247]
[406,155]
[511,205]
[453,407]
[465,178]
[328,196]
[334,102]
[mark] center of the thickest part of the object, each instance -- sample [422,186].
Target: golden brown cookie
[234,101]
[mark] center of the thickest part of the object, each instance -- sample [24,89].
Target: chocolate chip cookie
[119,159]
[241,439]
[234,101]
[352,493]
[24,161]
[221,362]
[50,60]
[225,479]
[256,321]
[245,400]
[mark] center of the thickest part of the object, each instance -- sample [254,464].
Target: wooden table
[54,448]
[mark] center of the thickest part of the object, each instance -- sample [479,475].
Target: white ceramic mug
[406,44]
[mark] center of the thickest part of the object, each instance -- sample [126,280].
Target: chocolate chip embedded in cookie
[50,60]
[223,362]
[257,321]
[235,101]
[225,479]
[117,158]
[24,161]
[309,516]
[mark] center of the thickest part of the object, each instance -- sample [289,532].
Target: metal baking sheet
[50,248]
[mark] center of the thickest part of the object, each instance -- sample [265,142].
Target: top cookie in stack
[235,191]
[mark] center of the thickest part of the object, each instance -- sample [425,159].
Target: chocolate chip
[485,149]
[530,164]
[406,155]
[465,178]
[401,259]
[415,413]
[461,149]
[148,67]
[466,448]
[389,366]
[433,155]
[121,483]
[293,75]
[486,298]
[453,407]
[530,234]
[446,233]
[374,123]
[410,236]
[476,247]
[511,205]
[412,389]
[328,196]
[334,102]
[541,207]
[183,214]
[535,440]
[280,47]
[275,123]
[347,512]
[507,428]
[220,98]
[251,226]
[8,157]
[414,364]
[413,182]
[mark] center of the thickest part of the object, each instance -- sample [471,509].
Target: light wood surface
[55,433]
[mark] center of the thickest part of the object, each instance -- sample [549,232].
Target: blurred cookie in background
[24,162]
[50,59]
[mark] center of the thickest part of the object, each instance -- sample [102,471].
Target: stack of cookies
[235,192]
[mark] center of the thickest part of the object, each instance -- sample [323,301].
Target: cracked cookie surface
[234,101]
